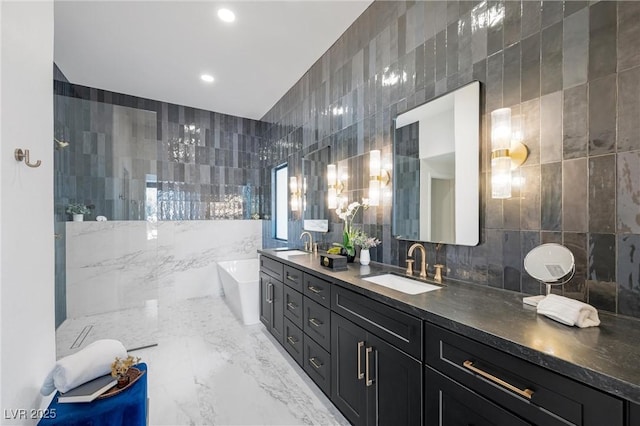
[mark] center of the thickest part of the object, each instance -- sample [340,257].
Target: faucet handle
[409,266]
[315,247]
[306,246]
[438,276]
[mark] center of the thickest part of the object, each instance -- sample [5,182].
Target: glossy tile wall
[571,68]
[194,164]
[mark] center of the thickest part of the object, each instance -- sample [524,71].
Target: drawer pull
[360,373]
[270,293]
[292,340]
[292,305]
[315,290]
[292,277]
[314,322]
[368,380]
[313,362]
[527,393]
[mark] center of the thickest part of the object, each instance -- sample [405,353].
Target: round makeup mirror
[552,264]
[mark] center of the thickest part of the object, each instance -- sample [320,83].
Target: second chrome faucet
[423,262]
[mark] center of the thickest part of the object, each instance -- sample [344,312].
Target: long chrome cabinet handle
[292,277]
[314,322]
[292,340]
[314,363]
[368,380]
[292,305]
[270,293]
[313,289]
[527,393]
[360,373]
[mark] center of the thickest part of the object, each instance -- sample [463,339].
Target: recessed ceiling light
[206,77]
[226,15]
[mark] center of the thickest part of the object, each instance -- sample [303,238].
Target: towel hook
[24,155]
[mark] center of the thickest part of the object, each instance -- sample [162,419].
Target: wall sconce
[507,151]
[334,186]
[295,193]
[378,177]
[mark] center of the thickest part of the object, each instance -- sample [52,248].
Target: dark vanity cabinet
[468,382]
[271,305]
[373,381]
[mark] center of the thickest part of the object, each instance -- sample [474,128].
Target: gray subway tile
[628,34]
[602,39]
[496,13]
[602,115]
[512,23]
[576,288]
[575,46]
[574,195]
[628,274]
[530,202]
[552,12]
[575,119]
[628,110]
[551,127]
[531,15]
[628,192]
[602,190]
[530,85]
[551,59]
[551,196]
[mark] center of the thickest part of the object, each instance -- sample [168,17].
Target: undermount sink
[405,285]
[288,253]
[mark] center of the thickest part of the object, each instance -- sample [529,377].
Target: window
[280,200]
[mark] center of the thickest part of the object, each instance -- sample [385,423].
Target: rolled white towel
[91,362]
[569,311]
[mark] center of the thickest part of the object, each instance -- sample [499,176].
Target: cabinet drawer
[397,328]
[317,322]
[528,390]
[292,277]
[271,267]
[317,289]
[293,306]
[449,403]
[293,341]
[317,364]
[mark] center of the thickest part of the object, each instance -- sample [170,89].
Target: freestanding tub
[241,287]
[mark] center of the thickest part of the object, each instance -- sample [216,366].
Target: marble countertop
[605,357]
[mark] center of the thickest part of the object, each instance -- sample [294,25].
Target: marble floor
[209,369]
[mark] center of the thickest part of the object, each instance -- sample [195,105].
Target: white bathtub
[241,287]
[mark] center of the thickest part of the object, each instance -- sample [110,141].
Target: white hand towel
[569,311]
[90,362]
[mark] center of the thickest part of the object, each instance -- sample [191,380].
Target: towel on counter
[87,364]
[569,311]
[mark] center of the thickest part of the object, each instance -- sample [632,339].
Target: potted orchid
[350,233]
[365,242]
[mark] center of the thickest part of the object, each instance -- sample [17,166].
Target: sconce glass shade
[295,197]
[374,177]
[501,177]
[332,193]
[501,129]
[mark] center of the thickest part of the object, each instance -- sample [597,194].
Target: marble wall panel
[117,265]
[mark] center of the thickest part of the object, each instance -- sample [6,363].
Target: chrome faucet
[308,245]
[423,262]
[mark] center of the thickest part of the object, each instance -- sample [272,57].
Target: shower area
[171,191]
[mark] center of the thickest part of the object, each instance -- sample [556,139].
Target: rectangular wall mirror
[436,159]
[315,211]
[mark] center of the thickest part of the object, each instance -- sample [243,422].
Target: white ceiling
[159,49]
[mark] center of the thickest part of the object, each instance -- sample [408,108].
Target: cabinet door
[394,385]
[448,403]
[347,369]
[265,300]
[277,304]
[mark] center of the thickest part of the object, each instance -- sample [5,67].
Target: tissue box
[334,262]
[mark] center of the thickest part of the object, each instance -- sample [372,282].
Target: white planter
[78,217]
[365,257]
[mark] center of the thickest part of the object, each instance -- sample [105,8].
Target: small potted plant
[365,242]
[120,367]
[78,210]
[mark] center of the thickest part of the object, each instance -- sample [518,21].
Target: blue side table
[129,408]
